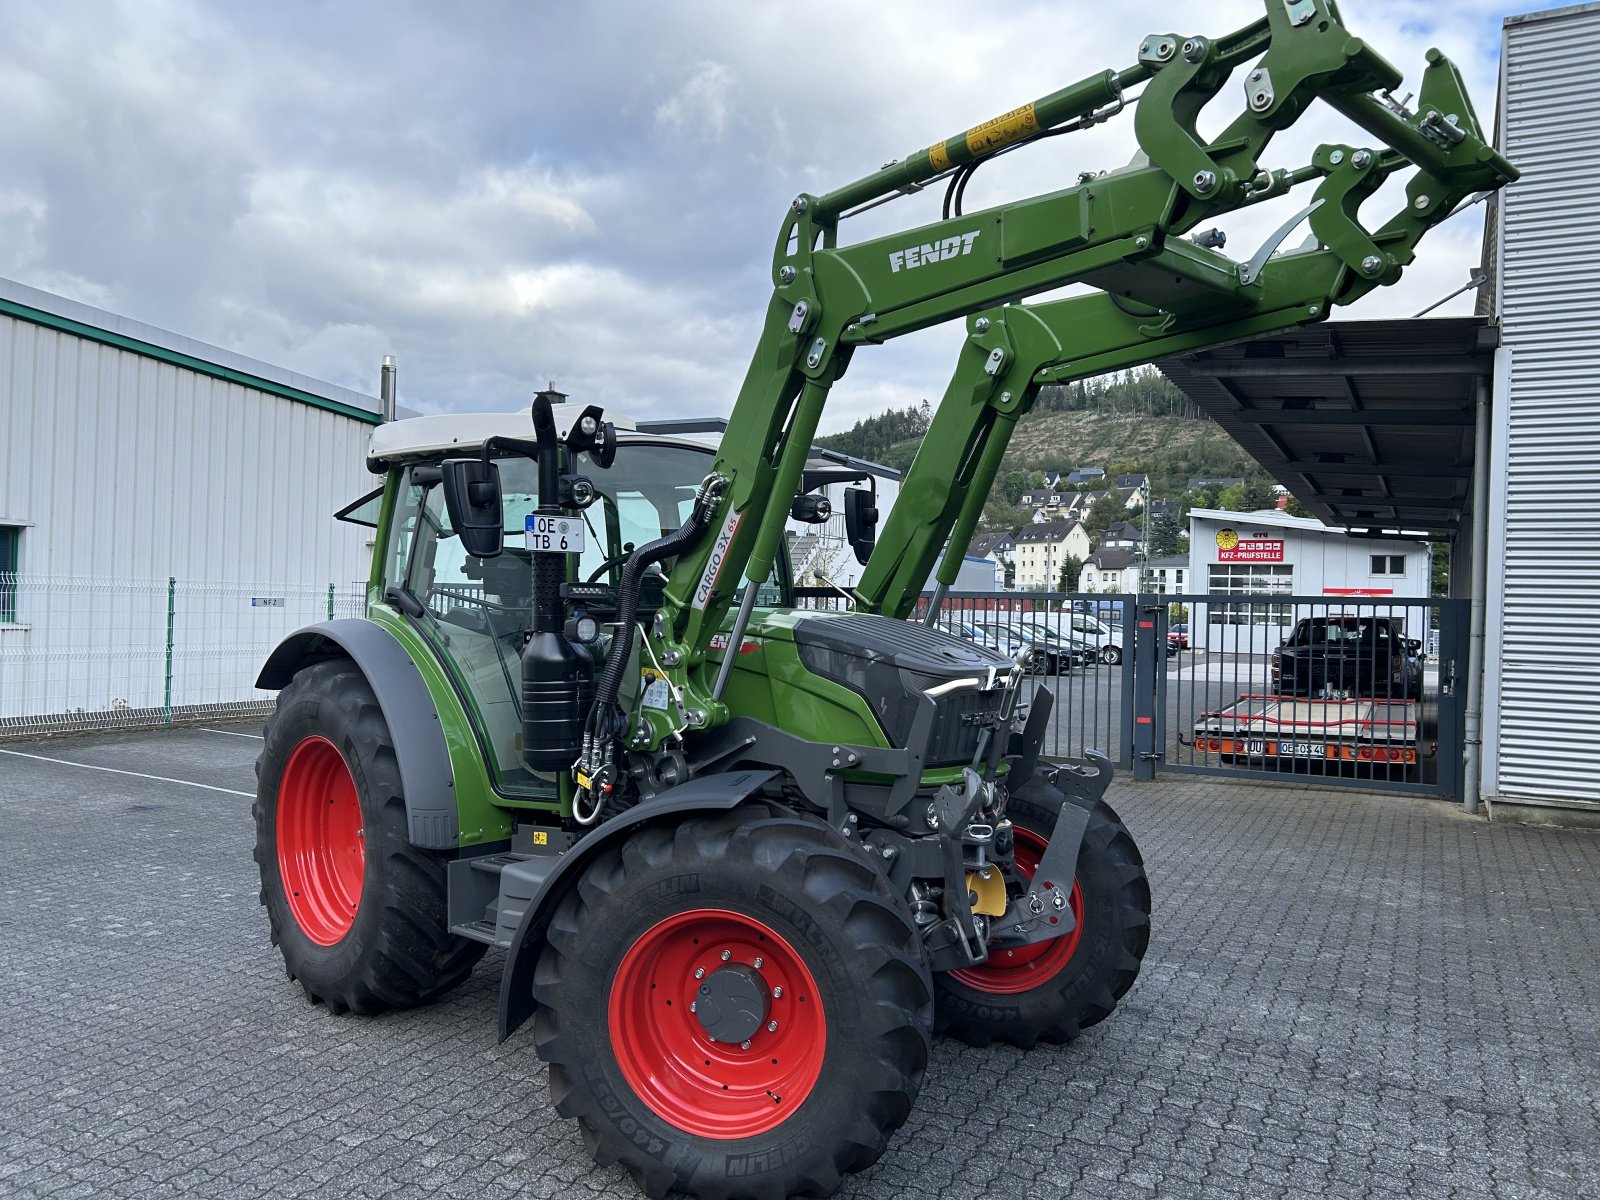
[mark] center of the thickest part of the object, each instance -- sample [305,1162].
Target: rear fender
[419,741]
[709,793]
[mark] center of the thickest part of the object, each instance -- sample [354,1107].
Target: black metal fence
[1351,691]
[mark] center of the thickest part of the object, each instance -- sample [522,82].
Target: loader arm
[1121,232]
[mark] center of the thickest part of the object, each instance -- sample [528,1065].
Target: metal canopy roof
[1368,423]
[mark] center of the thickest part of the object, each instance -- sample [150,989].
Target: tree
[1232,498]
[1012,485]
[998,515]
[1071,570]
[1295,509]
[1165,535]
[1257,496]
[1106,511]
[1441,569]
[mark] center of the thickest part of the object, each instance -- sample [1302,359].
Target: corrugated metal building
[1542,683]
[165,514]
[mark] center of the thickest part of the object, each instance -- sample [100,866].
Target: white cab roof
[421,437]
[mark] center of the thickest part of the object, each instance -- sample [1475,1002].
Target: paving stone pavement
[1345,996]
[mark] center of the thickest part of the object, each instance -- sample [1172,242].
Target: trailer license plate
[554,534]
[1291,749]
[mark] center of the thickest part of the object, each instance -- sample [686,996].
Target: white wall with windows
[1256,556]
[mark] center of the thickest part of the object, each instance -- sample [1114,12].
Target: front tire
[1111,655]
[1052,991]
[734,1006]
[357,911]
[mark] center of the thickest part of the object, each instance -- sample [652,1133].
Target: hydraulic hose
[603,718]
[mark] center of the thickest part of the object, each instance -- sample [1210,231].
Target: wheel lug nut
[772,1027]
[777,993]
[726,955]
[757,964]
[691,1006]
[699,972]
[745,1045]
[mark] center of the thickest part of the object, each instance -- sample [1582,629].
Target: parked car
[1060,655]
[1104,637]
[1345,657]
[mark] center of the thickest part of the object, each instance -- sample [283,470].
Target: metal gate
[1352,692]
[1343,691]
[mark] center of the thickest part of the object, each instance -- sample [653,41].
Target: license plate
[554,534]
[1291,749]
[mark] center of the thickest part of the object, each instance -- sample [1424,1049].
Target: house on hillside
[1087,475]
[1124,535]
[1131,481]
[998,545]
[1052,478]
[1166,576]
[1042,549]
[1110,571]
[1076,505]
[1132,498]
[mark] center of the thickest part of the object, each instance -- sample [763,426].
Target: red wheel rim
[1024,968]
[321,853]
[710,1088]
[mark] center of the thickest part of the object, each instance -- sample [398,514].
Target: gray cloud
[505,193]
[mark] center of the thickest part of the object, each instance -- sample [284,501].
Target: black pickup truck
[1348,657]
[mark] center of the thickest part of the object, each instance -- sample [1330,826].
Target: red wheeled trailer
[1276,731]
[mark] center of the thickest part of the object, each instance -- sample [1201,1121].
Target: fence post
[330,602]
[172,607]
[1148,659]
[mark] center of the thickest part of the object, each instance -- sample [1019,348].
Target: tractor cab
[476,612]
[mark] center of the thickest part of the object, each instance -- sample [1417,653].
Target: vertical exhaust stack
[386,388]
[557,676]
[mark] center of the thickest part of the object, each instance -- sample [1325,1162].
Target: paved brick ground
[1346,996]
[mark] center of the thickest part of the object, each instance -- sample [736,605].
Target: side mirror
[860,522]
[1414,645]
[472,497]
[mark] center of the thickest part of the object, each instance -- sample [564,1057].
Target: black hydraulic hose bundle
[606,721]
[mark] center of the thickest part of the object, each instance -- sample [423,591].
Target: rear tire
[758,1111]
[357,911]
[1052,991]
[1111,655]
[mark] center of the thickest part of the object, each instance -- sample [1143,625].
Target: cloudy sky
[503,193]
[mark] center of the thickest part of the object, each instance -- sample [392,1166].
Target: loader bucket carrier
[745,859]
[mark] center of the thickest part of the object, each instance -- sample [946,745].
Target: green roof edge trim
[188,361]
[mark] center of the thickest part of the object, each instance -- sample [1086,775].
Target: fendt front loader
[745,859]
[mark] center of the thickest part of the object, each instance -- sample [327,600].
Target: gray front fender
[419,744]
[709,793]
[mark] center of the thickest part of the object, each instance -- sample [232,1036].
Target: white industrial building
[166,515]
[1264,554]
[1539,570]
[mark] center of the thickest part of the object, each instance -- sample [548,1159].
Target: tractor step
[490,894]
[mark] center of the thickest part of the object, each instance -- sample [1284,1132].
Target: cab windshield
[477,611]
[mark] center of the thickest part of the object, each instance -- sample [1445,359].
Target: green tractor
[745,859]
